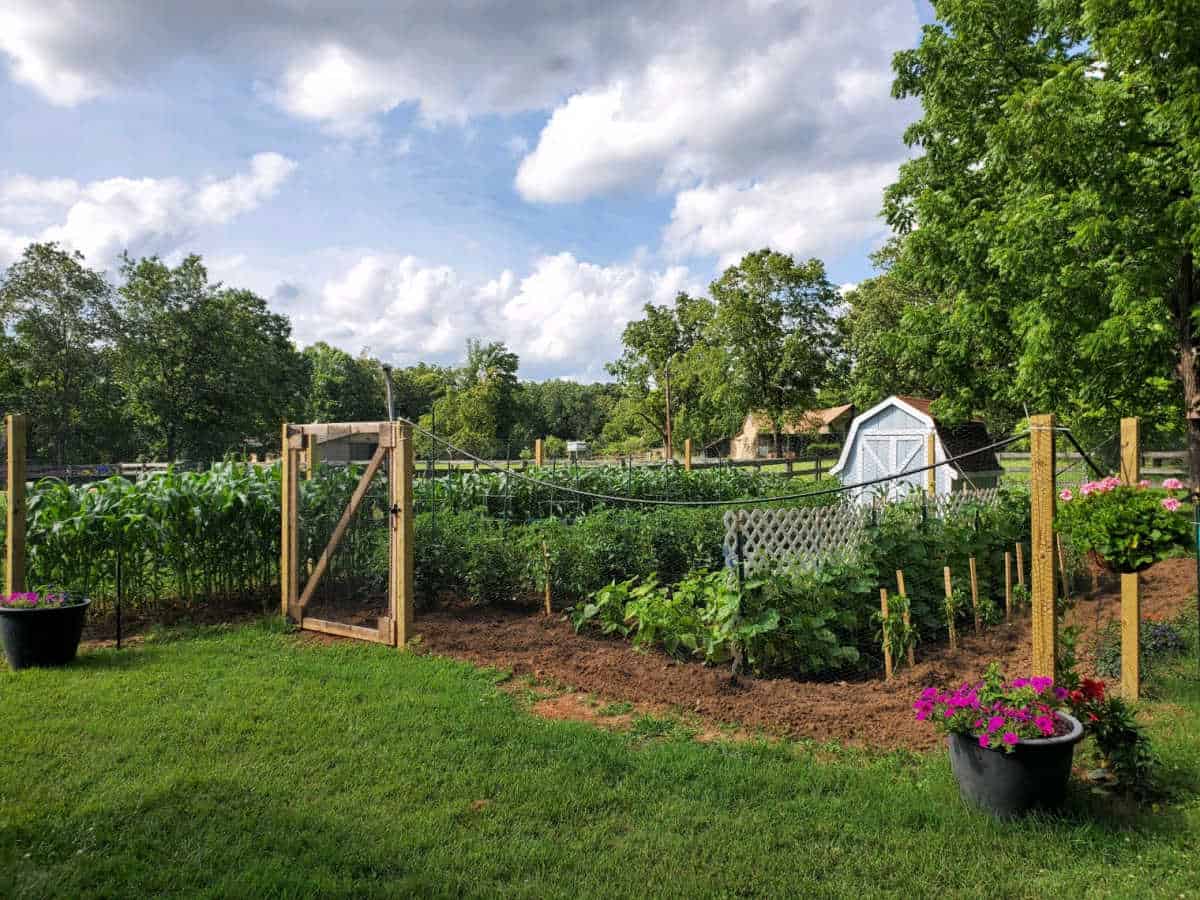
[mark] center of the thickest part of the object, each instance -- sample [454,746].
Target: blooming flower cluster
[1125,527]
[998,714]
[33,600]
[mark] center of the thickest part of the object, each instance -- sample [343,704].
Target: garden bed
[863,712]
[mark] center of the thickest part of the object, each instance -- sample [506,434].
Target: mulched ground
[867,712]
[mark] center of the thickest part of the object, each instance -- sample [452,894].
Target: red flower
[1076,697]
[1093,717]
[1093,690]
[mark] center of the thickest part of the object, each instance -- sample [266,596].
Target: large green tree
[341,387]
[54,365]
[775,319]
[203,369]
[1051,215]
[672,368]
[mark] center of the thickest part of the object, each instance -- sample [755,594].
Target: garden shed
[892,437]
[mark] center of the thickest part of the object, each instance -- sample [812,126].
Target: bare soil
[866,712]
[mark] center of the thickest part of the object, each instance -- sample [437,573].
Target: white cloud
[564,317]
[141,215]
[805,214]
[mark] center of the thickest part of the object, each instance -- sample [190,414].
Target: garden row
[192,537]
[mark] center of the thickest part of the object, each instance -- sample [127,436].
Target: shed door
[887,454]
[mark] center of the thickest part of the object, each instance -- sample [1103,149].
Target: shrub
[1126,527]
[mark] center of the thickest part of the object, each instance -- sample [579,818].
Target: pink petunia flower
[983,741]
[1010,738]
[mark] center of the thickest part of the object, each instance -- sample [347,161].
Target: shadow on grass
[208,835]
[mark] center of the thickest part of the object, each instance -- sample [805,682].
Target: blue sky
[400,177]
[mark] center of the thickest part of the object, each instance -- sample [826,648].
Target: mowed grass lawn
[250,762]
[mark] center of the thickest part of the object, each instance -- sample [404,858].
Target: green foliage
[775,319]
[1129,527]
[535,494]
[1158,641]
[342,388]
[201,367]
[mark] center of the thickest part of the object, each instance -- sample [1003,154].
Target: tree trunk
[775,434]
[1188,373]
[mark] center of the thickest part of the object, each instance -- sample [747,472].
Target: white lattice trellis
[803,535]
[806,535]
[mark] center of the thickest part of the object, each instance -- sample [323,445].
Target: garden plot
[864,712]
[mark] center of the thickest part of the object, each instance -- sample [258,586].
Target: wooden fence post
[930,459]
[975,596]
[907,619]
[687,454]
[1131,676]
[289,539]
[887,643]
[949,609]
[400,481]
[1062,566]
[538,456]
[1007,586]
[14,542]
[549,609]
[1041,487]
[1021,563]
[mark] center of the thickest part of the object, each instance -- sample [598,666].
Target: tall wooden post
[1041,487]
[1131,601]
[930,459]
[400,581]
[975,596]
[312,456]
[289,543]
[687,454]
[950,626]
[14,543]
[887,644]
[538,452]
[1007,586]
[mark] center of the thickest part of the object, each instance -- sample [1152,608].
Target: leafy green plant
[1126,527]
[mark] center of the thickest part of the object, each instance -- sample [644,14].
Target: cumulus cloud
[564,317]
[814,214]
[143,215]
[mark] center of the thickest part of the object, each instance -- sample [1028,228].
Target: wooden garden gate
[393,449]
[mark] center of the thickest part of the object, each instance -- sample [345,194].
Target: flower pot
[1033,776]
[47,636]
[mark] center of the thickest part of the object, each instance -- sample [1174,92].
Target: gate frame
[396,448]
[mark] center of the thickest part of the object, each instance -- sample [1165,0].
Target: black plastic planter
[1008,785]
[48,636]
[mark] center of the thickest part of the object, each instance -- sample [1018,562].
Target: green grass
[246,762]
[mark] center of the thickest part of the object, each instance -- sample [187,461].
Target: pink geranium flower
[1065,494]
[1172,484]
[1170,504]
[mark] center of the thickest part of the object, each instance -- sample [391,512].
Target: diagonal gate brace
[339,530]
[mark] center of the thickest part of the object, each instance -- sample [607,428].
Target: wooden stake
[907,616]
[1007,586]
[1021,563]
[400,485]
[1041,485]
[949,607]
[14,540]
[1131,600]
[975,596]
[538,457]
[546,572]
[930,459]
[687,454]
[887,644]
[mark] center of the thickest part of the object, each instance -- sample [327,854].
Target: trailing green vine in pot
[1125,528]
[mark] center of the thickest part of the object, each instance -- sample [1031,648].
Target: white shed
[892,437]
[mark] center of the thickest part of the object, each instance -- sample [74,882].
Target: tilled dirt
[865,712]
